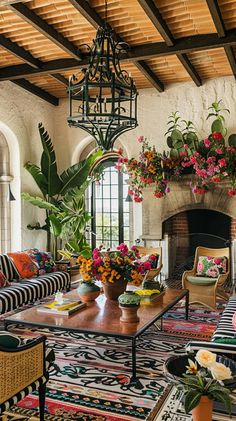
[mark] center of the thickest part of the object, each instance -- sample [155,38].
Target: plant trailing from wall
[210,160]
[63,197]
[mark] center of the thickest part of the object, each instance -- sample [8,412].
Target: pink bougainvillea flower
[219,151]
[222,162]
[140,139]
[207,142]
[217,135]
[216,179]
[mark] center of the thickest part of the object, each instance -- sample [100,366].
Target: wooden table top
[100,316]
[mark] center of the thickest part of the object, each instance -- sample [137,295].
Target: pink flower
[219,151]
[222,162]
[217,135]
[217,261]
[185,146]
[182,153]
[147,265]
[199,267]
[140,139]
[207,143]
[231,192]
[193,159]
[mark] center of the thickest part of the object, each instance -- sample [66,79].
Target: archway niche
[10,221]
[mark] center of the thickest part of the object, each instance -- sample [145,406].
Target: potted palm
[203,378]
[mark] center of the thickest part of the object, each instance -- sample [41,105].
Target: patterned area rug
[90,379]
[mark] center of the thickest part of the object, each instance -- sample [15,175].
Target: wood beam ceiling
[93,17]
[24,55]
[221,31]
[44,28]
[33,89]
[140,52]
[155,16]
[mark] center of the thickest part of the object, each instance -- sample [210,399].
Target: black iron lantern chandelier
[104,101]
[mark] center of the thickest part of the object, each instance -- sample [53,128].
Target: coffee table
[102,317]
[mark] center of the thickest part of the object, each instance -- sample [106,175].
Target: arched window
[110,210]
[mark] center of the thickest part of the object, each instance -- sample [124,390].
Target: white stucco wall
[20,113]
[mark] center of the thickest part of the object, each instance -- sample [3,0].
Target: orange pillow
[24,265]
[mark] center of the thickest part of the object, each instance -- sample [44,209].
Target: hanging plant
[210,160]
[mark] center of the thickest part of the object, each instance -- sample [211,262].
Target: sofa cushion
[211,266]
[201,280]
[9,340]
[3,280]
[24,264]
[30,290]
[8,268]
[225,328]
[43,260]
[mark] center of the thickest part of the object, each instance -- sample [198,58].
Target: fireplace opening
[187,230]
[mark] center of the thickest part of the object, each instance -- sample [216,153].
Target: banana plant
[55,187]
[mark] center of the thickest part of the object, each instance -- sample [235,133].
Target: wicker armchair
[205,292]
[152,273]
[23,370]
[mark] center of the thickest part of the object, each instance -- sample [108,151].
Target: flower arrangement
[110,266]
[210,160]
[204,377]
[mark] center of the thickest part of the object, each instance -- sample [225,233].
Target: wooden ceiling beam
[190,68]
[33,89]
[154,15]
[60,78]
[45,29]
[140,52]
[216,17]
[231,58]
[95,19]
[221,31]
[88,12]
[19,52]
[150,75]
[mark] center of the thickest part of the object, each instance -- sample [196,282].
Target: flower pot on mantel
[88,291]
[113,290]
[129,303]
[203,411]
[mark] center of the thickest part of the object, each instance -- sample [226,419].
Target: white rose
[205,358]
[220,372]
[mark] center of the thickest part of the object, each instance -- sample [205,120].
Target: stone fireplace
[182,220]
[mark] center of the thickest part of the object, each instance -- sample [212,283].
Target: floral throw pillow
[43,260]
[24,265]
[3,280]
[151,258]
[211,267]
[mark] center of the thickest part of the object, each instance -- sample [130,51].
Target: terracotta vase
[113,290]
[129,314]
[203,411]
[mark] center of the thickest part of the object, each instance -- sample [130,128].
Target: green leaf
[38,177]
[224,398]
[232,140]
[76,175]
[38,201]
[217,126]
[169,142]
[48,163]
[192,399]
[211,115]
[56,225]
[176,135]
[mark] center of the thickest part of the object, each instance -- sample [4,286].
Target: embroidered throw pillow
[24,264]
[211,267]
[3,280]
[151,258]
[43,260]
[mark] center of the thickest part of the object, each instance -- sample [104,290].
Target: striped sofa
[24,291]
[224,332]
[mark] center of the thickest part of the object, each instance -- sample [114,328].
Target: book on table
[66,308]
[149,295]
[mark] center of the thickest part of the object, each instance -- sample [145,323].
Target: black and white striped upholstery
[49,359]
[30,290]
[8,268]
[224,330]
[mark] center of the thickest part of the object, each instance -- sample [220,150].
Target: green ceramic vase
[88,291]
